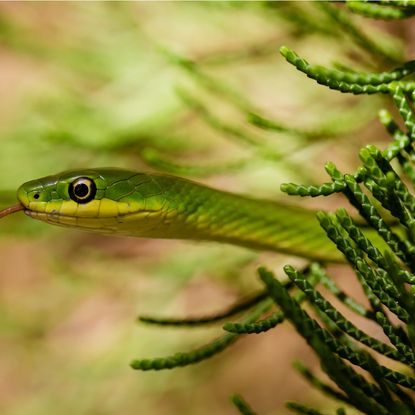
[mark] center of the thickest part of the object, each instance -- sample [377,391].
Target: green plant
[385,268]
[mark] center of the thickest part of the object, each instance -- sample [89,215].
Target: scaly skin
[162,206]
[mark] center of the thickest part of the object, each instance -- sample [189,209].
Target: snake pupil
[81,190]
[36,196]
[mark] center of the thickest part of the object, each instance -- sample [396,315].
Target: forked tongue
[10,210]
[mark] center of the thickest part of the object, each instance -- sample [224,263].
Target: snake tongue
[11,209]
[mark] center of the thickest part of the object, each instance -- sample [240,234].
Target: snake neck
[209,214]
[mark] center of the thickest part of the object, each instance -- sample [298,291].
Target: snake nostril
[36,196]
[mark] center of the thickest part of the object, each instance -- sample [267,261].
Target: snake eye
[82,190]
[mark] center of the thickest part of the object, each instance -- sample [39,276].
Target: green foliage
[381,252]
[377,50]
[383,275]
[380,246]
[397,10]
[202,353]
[318,383]
[197,321]
[349,80]
[242,405]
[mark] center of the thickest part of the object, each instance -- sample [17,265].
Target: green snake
[124,202]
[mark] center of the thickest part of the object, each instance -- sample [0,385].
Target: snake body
[117,201]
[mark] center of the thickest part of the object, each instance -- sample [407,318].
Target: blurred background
[194,89]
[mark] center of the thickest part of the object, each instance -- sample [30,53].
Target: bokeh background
[168,87]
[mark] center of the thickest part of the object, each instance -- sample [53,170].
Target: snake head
[97,199]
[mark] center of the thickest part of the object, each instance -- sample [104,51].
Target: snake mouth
[108,225]
[54,215]
[51,217]
[40,215]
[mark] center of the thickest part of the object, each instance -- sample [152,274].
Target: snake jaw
[35,215]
